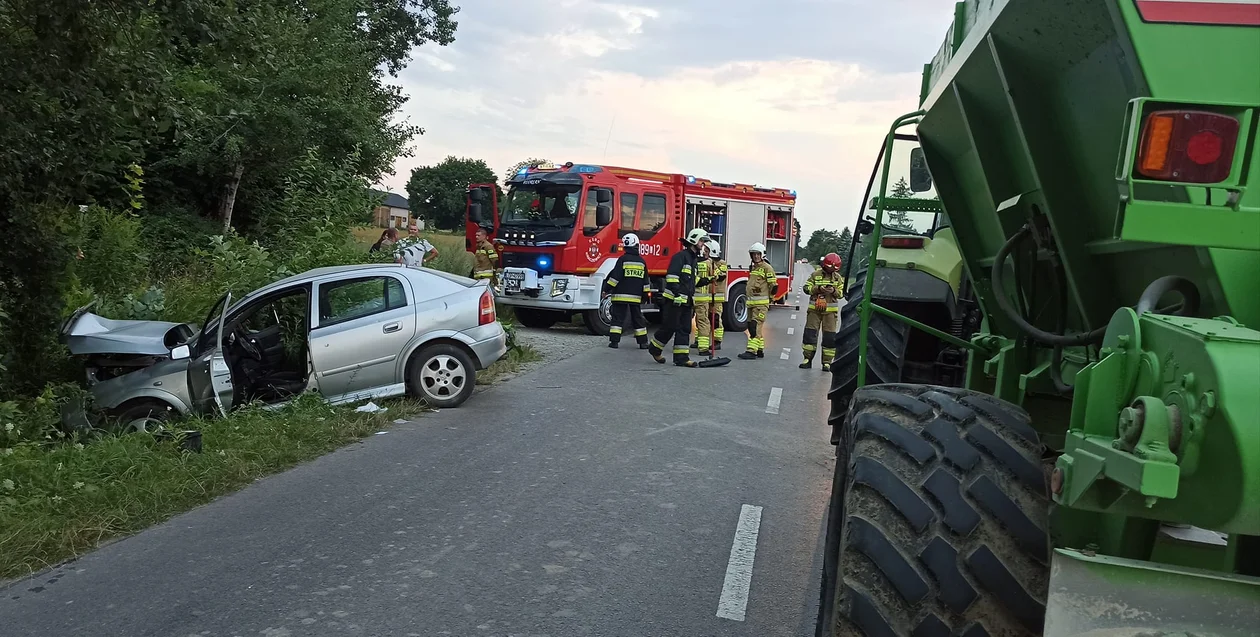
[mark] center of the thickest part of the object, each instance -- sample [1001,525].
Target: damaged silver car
[349,332]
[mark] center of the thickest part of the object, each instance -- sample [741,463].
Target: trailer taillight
[487,308]
[1194,147]
[907,243]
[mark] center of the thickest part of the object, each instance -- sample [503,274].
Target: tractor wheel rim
[442,377]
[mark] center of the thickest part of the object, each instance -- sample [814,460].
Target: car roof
[416,275]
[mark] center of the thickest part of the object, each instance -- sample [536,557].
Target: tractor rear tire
[885,355]
[938,517]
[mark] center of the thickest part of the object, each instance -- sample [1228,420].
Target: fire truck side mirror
[603,195]
[603,214]
[474,212]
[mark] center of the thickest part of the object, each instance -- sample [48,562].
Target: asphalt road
[603,494]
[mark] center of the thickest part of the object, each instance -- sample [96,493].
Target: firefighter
[628,284]
[710,295]
[680,285]
[486,258]
[824,288]
[762,286]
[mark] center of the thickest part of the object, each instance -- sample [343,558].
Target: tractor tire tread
[950,544]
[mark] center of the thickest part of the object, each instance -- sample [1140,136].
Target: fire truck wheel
[598,322]
[541,319]
[735,311]
[942,492]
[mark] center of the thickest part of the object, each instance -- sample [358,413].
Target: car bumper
[488,343]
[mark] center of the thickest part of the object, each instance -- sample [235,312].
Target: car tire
[142,416]
[938,517]
[735,309]
[538,319]
[442,375]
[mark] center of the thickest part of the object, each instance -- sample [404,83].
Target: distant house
[394,212]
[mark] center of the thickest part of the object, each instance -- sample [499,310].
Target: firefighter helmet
[695,236]
[831,262]
[715,248]
[630,241]
[758,248]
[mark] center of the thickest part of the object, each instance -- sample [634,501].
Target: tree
[524,163]
[437,193]
[796,234]
[900,219]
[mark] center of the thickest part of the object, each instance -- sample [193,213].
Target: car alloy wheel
[442,377]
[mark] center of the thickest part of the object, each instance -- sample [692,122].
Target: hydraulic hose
[1037,334]
[1159,287]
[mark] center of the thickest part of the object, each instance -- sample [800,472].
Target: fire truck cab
[559,232]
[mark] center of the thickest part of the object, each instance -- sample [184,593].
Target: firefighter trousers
[621,312]
[756,327]
[676,327]
[826,322]
[708,324]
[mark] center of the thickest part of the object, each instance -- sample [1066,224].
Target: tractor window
[629,202]
[653,217]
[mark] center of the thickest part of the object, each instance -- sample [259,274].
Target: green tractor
[1098,470]
[918,274]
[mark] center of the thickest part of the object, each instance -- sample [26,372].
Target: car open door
[209,375]
[481,209]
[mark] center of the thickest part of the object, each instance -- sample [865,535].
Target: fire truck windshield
[549,205]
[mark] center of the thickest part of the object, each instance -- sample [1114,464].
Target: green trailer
[1099,471]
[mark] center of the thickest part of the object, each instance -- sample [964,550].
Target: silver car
[348,332]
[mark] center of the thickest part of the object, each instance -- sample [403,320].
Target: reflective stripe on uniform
[640,331]
[681,350]
[625,298]
[671,278]
[483,274]
[616,329]
[833,307]
[611,282]
[759,300]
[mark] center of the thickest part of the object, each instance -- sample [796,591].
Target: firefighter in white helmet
[710,294]
[628,285]
[761,287]
[680,285]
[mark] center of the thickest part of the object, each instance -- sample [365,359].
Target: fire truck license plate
[512,280]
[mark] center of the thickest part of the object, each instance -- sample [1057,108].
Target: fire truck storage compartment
[745,225]
[709,215]
[778,228]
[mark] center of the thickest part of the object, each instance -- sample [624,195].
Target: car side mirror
[474,212]
[920,178]
[603,214]
[180,353]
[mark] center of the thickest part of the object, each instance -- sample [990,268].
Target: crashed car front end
[126,361]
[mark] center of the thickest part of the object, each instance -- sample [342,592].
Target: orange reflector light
[1189,147]
[909,243]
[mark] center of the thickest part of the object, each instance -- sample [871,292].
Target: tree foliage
[824,241]
[899,219]
[175,109]
[437,193]
[524,163]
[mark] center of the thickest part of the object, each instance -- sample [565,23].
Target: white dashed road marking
[786,353]
[772,405]
[791,330]
[793,317]
[734,600]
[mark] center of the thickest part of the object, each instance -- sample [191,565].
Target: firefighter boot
[613,344]
[748,356]
[682,357]
[761,353]
[657,351]
[717,344]
[809,359]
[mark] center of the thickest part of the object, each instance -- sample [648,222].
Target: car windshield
[546,205]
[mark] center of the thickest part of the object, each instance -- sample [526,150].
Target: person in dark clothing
[628,284]
[680,285]
[388,238]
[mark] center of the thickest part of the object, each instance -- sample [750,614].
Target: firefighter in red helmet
[825,289]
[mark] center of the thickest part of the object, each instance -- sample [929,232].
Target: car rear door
[209,375]
[362,323]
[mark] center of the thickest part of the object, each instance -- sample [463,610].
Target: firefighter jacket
[761,284]
[487,258]
[628,281]
[710,280]
[680,280]
[814,288]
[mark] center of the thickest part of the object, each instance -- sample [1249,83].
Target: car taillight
[1194,147]
[487,308]
[912,243]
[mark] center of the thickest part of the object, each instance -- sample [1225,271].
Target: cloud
[718,90]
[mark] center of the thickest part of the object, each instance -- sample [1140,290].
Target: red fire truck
[559,234]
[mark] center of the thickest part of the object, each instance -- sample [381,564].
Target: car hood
[87,333]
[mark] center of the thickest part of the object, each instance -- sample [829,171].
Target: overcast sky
[794,94]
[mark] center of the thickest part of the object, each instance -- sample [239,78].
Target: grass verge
[57,503]
[508,365]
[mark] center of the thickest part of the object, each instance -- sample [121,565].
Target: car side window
[341,301]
